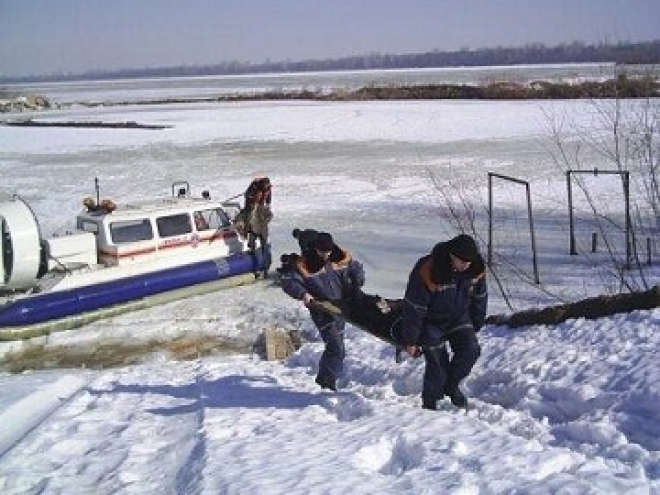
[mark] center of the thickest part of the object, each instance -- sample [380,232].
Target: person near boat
[254,218]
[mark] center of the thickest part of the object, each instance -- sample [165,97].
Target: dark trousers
[441,370]
[331,364]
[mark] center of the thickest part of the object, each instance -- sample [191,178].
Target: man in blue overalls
[326,273]
[445,303]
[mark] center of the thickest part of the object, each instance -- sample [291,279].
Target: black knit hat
[324,242]
[463,247]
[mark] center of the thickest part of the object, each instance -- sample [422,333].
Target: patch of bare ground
[114,354]
[92,125]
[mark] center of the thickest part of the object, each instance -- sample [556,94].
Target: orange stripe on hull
[163,246]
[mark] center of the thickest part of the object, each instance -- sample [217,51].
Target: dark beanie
[463,247]
[295,233]
[324,242]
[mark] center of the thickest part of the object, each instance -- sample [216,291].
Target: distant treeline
[536,53]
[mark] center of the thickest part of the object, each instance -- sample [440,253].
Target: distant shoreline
[620,87]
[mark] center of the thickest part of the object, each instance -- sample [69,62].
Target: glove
[307,299]
[357,281]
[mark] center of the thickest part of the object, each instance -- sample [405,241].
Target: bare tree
[624,136]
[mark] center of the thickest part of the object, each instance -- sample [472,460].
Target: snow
[571,408]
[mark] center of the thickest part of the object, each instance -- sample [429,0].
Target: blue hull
[49,306]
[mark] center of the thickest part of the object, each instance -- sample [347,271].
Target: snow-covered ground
[572,408]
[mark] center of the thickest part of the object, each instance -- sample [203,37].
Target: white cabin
[172,227]
[138,237]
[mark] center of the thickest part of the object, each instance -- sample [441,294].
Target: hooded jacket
[306,239]
[439,300]
[331,280]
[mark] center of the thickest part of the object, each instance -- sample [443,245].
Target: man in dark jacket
[327,273]
[445,302]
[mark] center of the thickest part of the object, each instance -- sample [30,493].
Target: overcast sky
[74,36]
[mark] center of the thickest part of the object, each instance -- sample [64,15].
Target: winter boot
[326,384]
[430,404]
[455,395]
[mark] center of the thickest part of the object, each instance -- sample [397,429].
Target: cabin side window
[131,231]
[172,225]
[88,226]
[211,219]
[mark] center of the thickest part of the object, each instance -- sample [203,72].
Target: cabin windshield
[131,231]
[211,219]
